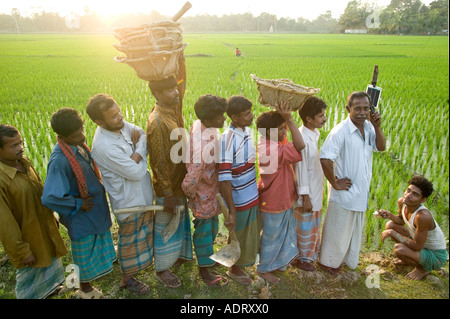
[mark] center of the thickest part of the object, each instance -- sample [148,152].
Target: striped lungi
[308,234]
[179,245]
[205,232]
[135,246]
[278,241]
[39,282]
[94,255]
[247,229]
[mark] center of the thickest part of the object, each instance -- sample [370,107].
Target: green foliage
[42,73]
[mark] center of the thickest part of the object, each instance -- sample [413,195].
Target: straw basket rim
[272,92]
[149,56]
[285,85]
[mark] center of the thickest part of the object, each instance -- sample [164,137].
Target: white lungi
[341,237]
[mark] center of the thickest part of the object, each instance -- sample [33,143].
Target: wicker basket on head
[151,50]
[155,65]
[272,92]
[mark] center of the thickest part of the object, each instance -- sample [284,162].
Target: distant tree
[325,23]
[404,17]
[354,16]
[48,22]
[438,16]
[16,16]
[7,23]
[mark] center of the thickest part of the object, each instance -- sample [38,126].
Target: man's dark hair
[313,106]
[421,182]
[65,121]
[237,104]
[269,119]
[98,104]
[209,106]
[357,95]
[161,85]
[8,131]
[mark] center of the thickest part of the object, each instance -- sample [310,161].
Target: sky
[309,9]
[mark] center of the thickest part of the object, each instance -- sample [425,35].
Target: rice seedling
[42,73]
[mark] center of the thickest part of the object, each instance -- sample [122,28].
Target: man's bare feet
[417,274]
[399,262]
[169,279]
[270,278]
[211,279]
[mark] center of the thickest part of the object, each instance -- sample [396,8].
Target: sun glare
[107,8]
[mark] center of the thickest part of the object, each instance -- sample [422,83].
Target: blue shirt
[61,195]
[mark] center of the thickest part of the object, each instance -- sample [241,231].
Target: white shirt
[128,184]
[352,156]
[309,170]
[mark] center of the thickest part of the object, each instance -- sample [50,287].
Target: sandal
[240,278]
[135,286]
[218,282]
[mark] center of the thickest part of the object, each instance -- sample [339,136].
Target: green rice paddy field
[40,73]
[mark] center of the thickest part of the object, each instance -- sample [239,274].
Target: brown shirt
[26,226]
[167,171]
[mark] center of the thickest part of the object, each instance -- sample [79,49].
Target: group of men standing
[79,180]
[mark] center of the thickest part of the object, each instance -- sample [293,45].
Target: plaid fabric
[94,255]
[248,228]
[179,245]
[205,232]
[39,282]
[308,234]
[135,246]
[76,167]
[278,241]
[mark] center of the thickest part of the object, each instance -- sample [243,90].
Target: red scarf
[76,167]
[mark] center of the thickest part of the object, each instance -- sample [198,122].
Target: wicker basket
[151,50]
[155,65]
[272,92]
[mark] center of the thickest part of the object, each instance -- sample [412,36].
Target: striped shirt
[237,164]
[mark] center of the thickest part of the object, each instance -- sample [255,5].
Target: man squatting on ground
[420,241]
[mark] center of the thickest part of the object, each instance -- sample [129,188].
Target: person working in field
[237,182]
[346,159]
[308,209]
[120,151]
[168,171]
[201,183]
[277,192]
[28,230]
[420,241]
[73,188]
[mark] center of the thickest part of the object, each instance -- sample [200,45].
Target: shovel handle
[223,207]
[139,209]
[182,11]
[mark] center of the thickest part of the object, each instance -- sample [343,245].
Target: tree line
[399,17]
